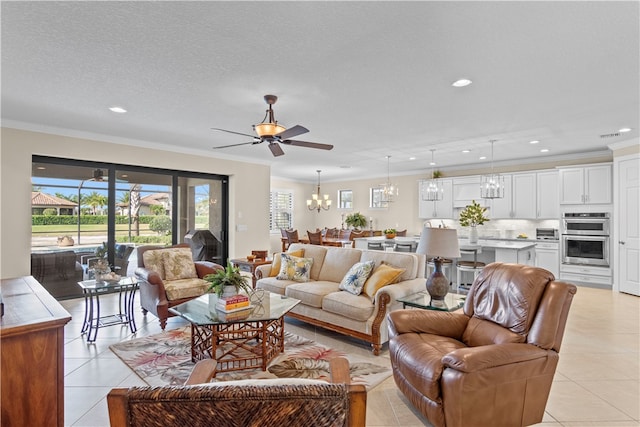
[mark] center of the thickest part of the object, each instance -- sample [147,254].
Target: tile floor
[597,382]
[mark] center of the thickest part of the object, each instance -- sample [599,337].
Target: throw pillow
[383,275]
[353,281]
[154,260]
[275,264]
[295,268]
[178,265]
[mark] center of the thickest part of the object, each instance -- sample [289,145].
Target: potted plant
[227,281]
[390,233]
[356,220]
[472,216]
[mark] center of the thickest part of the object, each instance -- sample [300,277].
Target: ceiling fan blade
[291,132]
[237,145]
[237,133]
[308,144]
[275,148]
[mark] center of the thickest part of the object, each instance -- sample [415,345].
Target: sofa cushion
[337,262]
[318,254]
[154,260]
[408,261]
[383,275]
[178,265]
[295,268]
[272,284]
[311,293]
[353,281]
[356,307]
[276,263]
[185,288]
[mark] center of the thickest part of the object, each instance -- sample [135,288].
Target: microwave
[586,224]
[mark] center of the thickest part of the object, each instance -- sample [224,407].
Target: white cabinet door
[527,256]
[502,208]
[524,195]
[549,260]
[547,195]
[442,208]
[572,186]
[597,184]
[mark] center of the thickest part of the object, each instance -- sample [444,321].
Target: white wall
[248,188]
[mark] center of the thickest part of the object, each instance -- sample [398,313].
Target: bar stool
[376,246]
[474,267]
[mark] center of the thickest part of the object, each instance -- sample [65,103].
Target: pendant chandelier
[388,191]
[492,185]
[432,189]
[317,202]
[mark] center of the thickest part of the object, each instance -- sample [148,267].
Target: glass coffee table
[93,318]
[244,339]
[422,299]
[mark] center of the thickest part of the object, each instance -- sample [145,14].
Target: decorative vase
[437,283]
[473,235]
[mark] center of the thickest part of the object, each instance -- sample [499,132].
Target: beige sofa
[324,304]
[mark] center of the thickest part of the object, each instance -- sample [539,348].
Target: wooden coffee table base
[238,346]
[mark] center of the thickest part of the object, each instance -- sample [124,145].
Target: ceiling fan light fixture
[268,129]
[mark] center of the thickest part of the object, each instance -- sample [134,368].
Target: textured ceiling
[371,78]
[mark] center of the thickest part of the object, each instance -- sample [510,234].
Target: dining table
[326,241]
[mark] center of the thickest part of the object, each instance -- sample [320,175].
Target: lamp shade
[439,242]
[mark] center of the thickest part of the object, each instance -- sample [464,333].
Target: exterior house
[41,201]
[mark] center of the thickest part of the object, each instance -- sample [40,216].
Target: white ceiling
[371,78]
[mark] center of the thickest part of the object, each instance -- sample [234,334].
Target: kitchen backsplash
[501,228]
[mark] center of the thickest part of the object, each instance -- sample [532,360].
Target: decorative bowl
[251,257]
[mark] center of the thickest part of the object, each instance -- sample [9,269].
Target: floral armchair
[168,276]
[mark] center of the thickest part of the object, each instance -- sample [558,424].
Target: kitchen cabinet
[547,195]
[465,190]
[437,209]
[525,256]
[548,257]
[502,208]
[586,185]
[519,199]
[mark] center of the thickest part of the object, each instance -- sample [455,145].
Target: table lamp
[438,243]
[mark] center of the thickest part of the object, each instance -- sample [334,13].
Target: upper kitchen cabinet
[585,185]
[547,195]
[519,199]
[437,209]
[465,190]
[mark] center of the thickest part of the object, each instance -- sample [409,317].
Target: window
[345,199]
[281,210]
[376,197]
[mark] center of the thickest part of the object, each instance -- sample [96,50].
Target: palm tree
[95,199]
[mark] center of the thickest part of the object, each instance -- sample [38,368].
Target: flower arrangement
[389,231]
[229,276]
[473,215]
[356,220]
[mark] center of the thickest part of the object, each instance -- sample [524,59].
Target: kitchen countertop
[492,243]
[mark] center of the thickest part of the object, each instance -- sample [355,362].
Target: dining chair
[292,236]
[315,238]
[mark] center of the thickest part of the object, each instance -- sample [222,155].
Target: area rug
[165,359]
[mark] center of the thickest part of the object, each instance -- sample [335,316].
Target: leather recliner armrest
[473,359]
[442,323]
[206,267]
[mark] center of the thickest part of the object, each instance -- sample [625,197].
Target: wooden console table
[31,355]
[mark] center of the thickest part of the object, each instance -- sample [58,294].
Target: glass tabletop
[94,285]
[423,300]
[202,310]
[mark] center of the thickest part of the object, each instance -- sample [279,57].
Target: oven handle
[582,237]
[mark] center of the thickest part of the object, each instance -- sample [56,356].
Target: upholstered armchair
[278,402]
[168,276]
[491,364]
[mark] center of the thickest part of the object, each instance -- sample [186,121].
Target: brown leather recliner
[491,364]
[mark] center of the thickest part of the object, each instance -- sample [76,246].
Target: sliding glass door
[80,209]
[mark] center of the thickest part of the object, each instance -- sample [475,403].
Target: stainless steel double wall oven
[586,238]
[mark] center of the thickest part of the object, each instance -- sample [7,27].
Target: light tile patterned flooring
[597,382]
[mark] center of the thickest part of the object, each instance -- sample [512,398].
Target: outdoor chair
[267,402]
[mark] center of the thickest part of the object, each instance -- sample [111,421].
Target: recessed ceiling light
[41,168]
[624,130]
[466,151]
[544,150]
[483,157]
[412,158]
[461,83]
[117,109]
[432,163]
[534,142]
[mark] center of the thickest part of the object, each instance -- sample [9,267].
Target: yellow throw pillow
[383,275]
[277,259]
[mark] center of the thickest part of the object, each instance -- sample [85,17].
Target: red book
[234,299]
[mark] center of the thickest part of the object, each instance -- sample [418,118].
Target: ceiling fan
[275,134]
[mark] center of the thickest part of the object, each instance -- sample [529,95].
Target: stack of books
[233,303]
